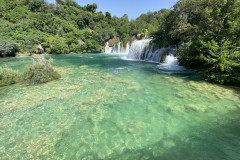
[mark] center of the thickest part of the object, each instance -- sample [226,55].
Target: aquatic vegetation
[95,113]
[8,76]
[41,71]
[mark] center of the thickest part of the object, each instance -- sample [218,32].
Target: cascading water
[119,47]
[138,49]
[171,63]
[127,48]
[108,49]
[143,50]
[115,49]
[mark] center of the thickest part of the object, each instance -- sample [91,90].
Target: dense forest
[206,33]
[66,27]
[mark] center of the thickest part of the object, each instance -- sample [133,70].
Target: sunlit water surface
[108,108]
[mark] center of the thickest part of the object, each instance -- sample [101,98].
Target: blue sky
[133,8]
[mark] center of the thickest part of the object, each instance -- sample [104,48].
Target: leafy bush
[41,71]
[207,39]
[17,14]
[221,60]
[8,48]
[58,26]
[8,76]
[58,46]
[218,62]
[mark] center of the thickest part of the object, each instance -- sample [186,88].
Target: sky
[133,8]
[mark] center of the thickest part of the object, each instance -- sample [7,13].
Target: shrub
[218,62]
[8,48]
[41,71]
[58,46]
[75,48]
[8,76]
[221,60]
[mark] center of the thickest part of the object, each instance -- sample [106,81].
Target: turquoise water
[108,108]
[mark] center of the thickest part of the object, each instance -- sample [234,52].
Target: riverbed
[105,107]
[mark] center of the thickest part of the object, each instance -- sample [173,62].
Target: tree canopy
[207,34]
[61,25]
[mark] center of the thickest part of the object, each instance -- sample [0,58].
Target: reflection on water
[108,108]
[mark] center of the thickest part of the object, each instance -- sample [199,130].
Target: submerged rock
[195,108]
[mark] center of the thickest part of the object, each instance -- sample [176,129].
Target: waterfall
[171,63]
[115,49]
[108,49]
[119,47]
[143,50]
[127,47]
[138,49]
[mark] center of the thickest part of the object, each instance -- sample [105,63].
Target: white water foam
[171,63]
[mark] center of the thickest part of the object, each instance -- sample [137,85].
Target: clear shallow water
[108,108]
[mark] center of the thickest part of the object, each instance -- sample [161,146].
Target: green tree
[8,48]
[91,7]
[108,15]
[58,46]
[17,14]
[209,30]
[36,5]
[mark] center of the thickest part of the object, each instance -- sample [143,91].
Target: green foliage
[58,46]
[108,15]
[91,7]
[41,71]
[58,27]
[72,3]
[36,5]
[8,48]
[222,61]
[75,48]
[17,14]
[150,21]
[8,76]
[207,37]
